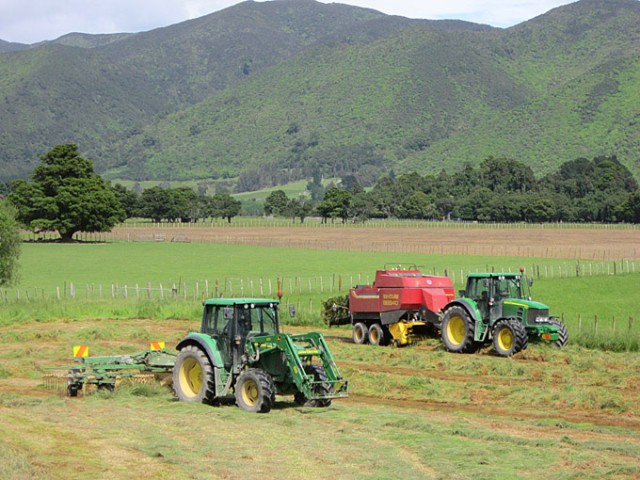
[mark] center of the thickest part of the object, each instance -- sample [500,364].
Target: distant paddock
[580,242]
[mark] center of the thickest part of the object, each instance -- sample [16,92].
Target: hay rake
[106,372]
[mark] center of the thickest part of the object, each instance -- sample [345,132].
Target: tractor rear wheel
[322,389]
[255,391]
[458,330]
[360,333]
[193,379]
[563,333]
[509,337]
[377,335]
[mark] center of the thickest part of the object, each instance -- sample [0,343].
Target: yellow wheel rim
[190,377]
[505,339]
[373,335]
[456,330]
[250,392]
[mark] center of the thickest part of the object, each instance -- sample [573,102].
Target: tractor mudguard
[472,309]
[206,343]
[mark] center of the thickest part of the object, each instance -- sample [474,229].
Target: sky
[31,21]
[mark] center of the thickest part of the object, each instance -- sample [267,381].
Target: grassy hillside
[339,106]
[559,87]
[92,90]
[282,89]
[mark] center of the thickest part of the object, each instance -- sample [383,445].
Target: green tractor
[497,308]
[240,351]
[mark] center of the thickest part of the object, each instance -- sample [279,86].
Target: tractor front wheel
[360,333]
[458,330]
[255,391]
[509,337]
[193,379]
[563,333]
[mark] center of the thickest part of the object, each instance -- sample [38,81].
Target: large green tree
[66,195]
[225,206]
[9,244]
[276,203]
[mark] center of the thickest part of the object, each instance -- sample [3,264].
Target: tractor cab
[500,295]
[232,321]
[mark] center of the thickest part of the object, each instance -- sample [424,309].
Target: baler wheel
[376,335]
[255,391]
[193,379]
[458,330]
[509,337]
[360,333]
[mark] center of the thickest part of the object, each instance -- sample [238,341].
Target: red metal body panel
[401,290]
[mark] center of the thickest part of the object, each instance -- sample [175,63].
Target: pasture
[558,414]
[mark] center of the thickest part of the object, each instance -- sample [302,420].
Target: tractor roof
[238,301]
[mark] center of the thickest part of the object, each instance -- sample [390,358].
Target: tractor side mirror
[292,311]
[461,293]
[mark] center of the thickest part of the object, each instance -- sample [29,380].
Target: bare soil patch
[530,241]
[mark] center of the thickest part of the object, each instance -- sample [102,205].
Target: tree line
[66,195]
[498,190]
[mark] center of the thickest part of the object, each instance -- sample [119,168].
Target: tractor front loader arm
[300,352]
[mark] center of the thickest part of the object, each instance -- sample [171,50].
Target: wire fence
[293,285]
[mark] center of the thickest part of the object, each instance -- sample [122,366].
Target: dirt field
[534,241]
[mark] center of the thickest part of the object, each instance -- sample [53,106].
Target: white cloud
[37,20]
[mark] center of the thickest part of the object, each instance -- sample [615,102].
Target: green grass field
[600,310]
[545,413]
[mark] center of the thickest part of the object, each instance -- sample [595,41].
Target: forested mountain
[279,90]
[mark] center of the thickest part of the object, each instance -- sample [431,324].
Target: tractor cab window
[478,289]
[507,287]
[257,320]
[209,320]
[216,319]
[268,320]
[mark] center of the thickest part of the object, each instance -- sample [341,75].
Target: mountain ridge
[281,89]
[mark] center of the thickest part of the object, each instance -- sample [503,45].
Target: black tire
[193,378]
[73,389]
[255,391]
[360,334]
[323,389]
[509,337]
[458,330]
[563,333]
[377,335]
